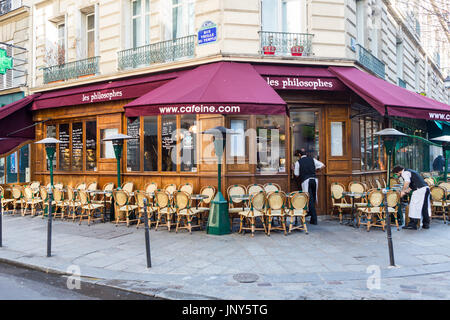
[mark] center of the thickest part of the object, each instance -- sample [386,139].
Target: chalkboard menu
[133,152]
[64,147]
[77,146]
[91,145]
[169,127]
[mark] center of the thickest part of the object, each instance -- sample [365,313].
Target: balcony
[160,52]
[71,70]
[286,44]
[9,5]
[371,62]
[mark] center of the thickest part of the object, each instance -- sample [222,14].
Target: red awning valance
[16,124]
[222,88]
[389,99]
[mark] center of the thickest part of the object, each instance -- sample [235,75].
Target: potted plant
[297,50]
[270,49]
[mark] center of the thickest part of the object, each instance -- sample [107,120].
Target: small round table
[354,195]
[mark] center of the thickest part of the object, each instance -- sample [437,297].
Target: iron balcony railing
[401,83]
[286,44]
[71,70]
[9,5]
[371,62]
[165,51]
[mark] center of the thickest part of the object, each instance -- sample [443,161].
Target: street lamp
[218,220]
[50,149]
[389,137]
[117,141]
[446,148]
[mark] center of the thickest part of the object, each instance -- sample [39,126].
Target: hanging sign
[207,33]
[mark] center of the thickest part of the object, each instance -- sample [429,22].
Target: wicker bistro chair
[429,182]
[439,203]
[270,187]
[164,208]
[298,207]
[59,185]
[358,187]
[393,201]
[445,185]
[254,189]
[59,203]
[128,187]
[257,210]
[378,184]
[140,196]
[92,186]
[204,205]
[170,189]
[107,197]
[338,200]
[373,213]
[235,205]
[43,191]
[5,203]
[276,208]
[150,189]
[88,208]
[30,201]
[122,201]
[18,196]
[186,212]
[187,187]
[81,186]
[73,204]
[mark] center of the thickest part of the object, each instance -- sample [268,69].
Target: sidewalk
[331,262]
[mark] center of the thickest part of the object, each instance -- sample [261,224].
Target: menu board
[64,147]
[168,139]
[133,154]
[77,146]
[91,146]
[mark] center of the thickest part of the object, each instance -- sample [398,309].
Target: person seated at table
[419,205]
[305,173]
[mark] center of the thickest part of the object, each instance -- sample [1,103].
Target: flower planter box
[297,51]
[270,50]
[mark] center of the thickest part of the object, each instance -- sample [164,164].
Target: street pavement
[333,261]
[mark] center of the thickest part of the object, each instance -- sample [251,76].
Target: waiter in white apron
[419,205]
[305,173]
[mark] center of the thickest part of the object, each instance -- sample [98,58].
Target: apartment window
[283,16]
[178,18]
[360,22]
[6,80]
[61,50]
[399,53]
[417,75]
[90,35]
[140,22]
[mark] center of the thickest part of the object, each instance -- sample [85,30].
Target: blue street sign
[207,33]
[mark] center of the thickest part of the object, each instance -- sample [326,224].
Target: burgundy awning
[13,118]
[390,99]
[222,88]
[101,92]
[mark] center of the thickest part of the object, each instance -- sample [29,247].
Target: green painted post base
[218,220]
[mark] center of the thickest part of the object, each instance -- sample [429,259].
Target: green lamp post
[446,148]
[50,149]
[117,141]
[389,137]
[218,220]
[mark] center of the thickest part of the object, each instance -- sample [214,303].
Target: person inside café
[419,205]
[305,174]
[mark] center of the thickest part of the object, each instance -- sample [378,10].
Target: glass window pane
[305,132]
[133,146]
[24,164]
[11,168]
[136,7]
[64,147]
[188,136]
[2,170]
[237,140]
[337,138]
[363,144]
[77,146]
[168,134]
[369,154]
[147,29]
[177,22]
[291,16]
[91,146]
[270,15]
[91,44]
[270,140]
[151,144]
[106,147]
[91,22]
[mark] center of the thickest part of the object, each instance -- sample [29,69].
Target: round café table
[353,196]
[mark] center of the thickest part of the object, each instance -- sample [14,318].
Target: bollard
[147,236]
[388,231]
[49,224]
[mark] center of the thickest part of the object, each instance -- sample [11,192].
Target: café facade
[274,109]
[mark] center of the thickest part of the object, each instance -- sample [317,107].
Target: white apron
[416,203]
[305,186]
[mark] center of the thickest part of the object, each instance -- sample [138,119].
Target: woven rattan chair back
[235,190]
[299,201]
[140,196]
[70,194]
[209,191]
[375,198]
[170,188]
[17,192]
[57,195]
[429,182]
[181,200]
[59,185]
[121,197]
[271,187]
[392,198]
[35,185]
[438,193]
[187,187]
[357,187]
[81,186]
[28,193]
[162,198]
[151,187]
[2,192]
[108,186]
[258,200]
[254,189]
[92,186]
[378,184]
[276,200]
[384,183]
[128,186]
[44,193]
[84,197]
[445,185]
[337,190]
